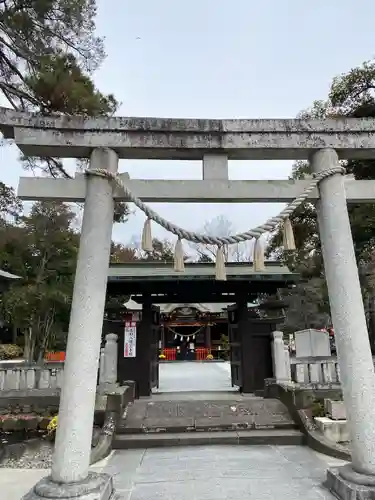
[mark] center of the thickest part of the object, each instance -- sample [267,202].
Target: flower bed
[24,422]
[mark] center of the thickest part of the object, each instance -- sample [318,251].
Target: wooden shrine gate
[154,347]
[142,366]
[235,357]
[249,336]
[250,341]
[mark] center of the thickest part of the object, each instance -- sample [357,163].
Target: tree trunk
[14,332]
[40,359]
[29,346]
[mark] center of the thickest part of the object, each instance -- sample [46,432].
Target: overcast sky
[220,59]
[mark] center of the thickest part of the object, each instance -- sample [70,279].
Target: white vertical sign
[130,339]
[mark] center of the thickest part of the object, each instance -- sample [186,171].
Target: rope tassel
[179,264]
[221,274]
[147,237]
[288,236]
[269,226]
[258,256]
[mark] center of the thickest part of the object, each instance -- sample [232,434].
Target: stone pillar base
[107,388]
[347,484]
[94,487]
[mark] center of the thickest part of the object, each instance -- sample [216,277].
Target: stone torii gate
[104,141]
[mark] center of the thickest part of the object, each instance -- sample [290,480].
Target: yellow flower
[161,356]
[52,426]
[210,356]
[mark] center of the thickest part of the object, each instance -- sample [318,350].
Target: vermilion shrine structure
[104,141]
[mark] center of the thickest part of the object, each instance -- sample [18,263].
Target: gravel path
[34,458]
[37,455]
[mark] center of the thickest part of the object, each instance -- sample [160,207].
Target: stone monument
[108,375]
[312,343]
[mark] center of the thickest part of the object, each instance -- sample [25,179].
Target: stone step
[245,437]
[159,415]
[125,428]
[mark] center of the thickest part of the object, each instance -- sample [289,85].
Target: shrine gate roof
[163,271]
[197,283]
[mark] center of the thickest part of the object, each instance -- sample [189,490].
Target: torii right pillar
[356,480]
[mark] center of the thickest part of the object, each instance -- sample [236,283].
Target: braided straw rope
[183,234]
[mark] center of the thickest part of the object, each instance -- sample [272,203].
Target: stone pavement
[220,473]
[187,376]
[202,473]
[15,483]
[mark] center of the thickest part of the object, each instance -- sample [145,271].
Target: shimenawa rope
[220,241]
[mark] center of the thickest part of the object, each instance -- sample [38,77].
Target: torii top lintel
[187,139]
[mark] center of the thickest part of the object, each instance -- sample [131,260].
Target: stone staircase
[182,420]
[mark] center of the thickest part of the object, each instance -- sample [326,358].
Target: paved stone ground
[220,473]
[187,376]
[15,483]
[204,473]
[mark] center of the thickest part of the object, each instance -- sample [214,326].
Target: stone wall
[15,375]
[315,371]
[22,377]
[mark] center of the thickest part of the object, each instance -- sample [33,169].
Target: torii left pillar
[70,476]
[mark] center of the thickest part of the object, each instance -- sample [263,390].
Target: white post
[327,374]
[288,370]
[102,366]
[313,370]
[301,373]
[110,355]
[353,347]
[278,356]
[73,439]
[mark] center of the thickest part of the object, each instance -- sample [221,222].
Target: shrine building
[192,316]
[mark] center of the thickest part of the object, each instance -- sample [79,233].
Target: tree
[221,226]
[10,205]
[48,51]
[306,307]
[39,36]
[351,94]
[203,258]
[307,301]
[122,254]
[163,251]
[42,248]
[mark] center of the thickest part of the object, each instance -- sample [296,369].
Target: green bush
[225,347]
[10,351]
[317,409]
